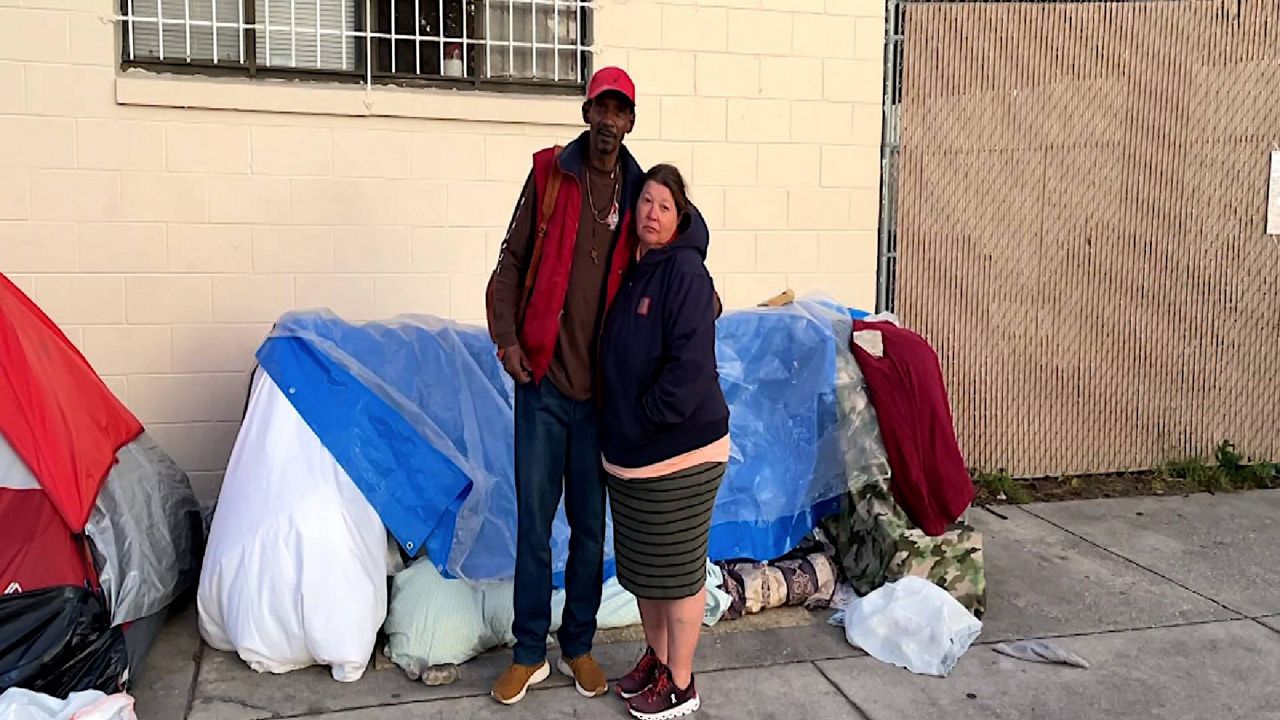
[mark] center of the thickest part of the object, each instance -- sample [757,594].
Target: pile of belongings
[403,429]
[900,516]
[885,531]
[99,530]
[805,576]
[434,623]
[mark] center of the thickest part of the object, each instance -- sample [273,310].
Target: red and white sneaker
[663,700]
[641,676]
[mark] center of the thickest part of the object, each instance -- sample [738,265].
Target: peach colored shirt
[716,452]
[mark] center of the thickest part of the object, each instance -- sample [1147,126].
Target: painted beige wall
[165,223]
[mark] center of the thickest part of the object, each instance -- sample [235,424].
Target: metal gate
[1074,213]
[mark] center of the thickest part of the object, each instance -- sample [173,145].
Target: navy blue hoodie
[662,393]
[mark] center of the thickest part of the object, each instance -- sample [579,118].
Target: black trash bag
[58,641]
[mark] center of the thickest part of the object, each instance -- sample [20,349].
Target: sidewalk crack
[852,703]
[195,679]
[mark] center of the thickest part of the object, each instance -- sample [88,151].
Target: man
[560,266]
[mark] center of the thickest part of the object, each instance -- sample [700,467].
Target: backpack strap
[544,218]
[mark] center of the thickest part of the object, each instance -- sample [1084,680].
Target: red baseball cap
[611,79]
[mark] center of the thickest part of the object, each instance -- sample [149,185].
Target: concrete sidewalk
[1175,602]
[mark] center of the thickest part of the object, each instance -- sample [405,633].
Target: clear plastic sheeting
[799,435]
[418,412]
[146,532]
[861,446]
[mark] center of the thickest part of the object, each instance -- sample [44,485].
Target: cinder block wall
[165,222]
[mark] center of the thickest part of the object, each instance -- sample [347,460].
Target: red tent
[64,427]
[36,548]
[99,530]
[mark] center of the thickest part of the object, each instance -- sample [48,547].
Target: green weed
[1229,471]
[1002,485]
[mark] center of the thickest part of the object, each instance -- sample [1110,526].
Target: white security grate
[524,41]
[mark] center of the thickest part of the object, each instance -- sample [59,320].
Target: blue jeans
[557,453]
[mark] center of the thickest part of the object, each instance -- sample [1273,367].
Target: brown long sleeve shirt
[573,365]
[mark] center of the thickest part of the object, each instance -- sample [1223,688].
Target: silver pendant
[613,217]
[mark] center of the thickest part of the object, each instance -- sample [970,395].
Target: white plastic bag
[914,624]
[295,570]
[20,704]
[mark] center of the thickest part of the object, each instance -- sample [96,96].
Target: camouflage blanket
[875,541]
[876,544]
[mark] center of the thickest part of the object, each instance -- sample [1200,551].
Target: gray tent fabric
[14,473]
[139,636]
[147,532]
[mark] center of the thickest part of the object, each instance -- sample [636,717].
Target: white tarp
[295,570]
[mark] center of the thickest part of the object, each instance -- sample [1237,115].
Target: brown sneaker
[516,681]
[587,675]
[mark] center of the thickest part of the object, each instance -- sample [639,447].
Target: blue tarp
[418,412]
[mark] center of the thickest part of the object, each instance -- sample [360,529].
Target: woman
[665,439]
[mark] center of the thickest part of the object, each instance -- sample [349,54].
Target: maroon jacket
[930,480]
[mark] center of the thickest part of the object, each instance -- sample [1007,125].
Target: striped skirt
[660,531]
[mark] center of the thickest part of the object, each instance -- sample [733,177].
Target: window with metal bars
[486,44]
